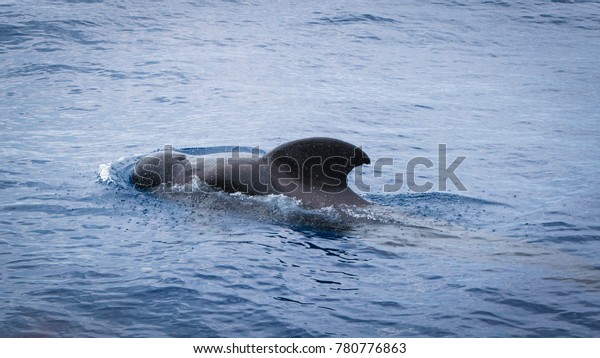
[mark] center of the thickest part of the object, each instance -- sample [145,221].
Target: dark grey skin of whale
[313,170]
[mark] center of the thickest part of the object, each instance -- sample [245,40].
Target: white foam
[104,173]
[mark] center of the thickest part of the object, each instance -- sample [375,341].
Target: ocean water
[87,87]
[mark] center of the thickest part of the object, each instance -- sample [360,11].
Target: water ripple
[86,255]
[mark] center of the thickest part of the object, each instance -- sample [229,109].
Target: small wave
[432,197]
[84,1]
[12,35]
[579,239]
[451,208]
[32,69]
[589,21]
[65,30]
[574,1]
[353,19]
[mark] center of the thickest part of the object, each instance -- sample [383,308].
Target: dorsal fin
[321,163]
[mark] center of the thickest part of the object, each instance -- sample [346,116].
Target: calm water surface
[86,87]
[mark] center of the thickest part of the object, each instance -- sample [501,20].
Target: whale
[313,171]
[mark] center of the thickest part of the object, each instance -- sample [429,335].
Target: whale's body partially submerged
[313,170]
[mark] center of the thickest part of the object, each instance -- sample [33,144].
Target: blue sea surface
[89,86]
